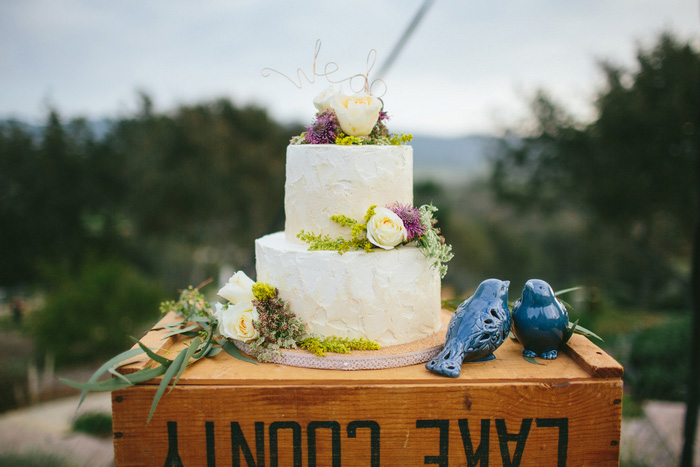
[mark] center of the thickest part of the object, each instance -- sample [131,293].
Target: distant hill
[99,127]
[451,160]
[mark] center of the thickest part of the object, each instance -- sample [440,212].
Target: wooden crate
[507,411]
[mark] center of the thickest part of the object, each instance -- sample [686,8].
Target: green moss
[345,140]
[263,291]
[358,240]
[334,344]
[400,138]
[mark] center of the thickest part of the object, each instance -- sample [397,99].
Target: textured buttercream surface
[391,297]
[325,180]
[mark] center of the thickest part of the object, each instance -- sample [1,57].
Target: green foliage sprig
[334,344]
[431,243]
[190,304]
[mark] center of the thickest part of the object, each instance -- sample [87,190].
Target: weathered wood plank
[575,423]
[592,359]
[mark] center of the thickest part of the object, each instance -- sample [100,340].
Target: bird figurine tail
[477,328]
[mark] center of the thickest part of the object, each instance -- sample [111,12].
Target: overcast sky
[467,68]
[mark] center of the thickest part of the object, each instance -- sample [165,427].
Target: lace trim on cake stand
[393,356]
[349,362]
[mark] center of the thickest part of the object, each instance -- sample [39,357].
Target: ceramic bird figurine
[540,321]
[477,328]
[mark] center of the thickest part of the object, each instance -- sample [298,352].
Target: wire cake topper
[330,68]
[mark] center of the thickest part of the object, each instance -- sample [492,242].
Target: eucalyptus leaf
[172,326]
[106,366]
[532,360]
[115,373]
[153,356]
[213,351]
[570,330]
[115,383]
[181,331]
[233,351]
[204,350]
[567,305]
[565,291]
[194,345]
[207,345]
[201,319]
[169,374]
[587,333]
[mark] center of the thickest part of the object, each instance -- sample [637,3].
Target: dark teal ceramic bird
[477,328]
[540,321]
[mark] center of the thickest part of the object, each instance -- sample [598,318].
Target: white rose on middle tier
[356,114]
[385,229]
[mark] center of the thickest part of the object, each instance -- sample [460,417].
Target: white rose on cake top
[356,114]
[322,102]
[385,229]
[236,321]
[239,288]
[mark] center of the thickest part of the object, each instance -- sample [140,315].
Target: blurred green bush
[91,316]
[659,361]
[94,423]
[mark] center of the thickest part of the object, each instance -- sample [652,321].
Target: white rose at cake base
[236,321]
[239,288]
[385,229]
[356,114]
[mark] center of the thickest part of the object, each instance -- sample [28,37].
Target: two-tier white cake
[388,296]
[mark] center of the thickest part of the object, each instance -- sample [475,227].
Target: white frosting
[327,179]
[391,297]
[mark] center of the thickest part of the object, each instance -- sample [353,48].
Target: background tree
[45,192]
[631,171]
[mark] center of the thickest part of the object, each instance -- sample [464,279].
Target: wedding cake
[388,290]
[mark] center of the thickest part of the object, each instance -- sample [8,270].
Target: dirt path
[46,428]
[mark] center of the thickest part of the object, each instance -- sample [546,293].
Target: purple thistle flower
[410,217]
[324,130]
[383,116]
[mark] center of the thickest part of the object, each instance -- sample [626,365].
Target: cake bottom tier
[390,297]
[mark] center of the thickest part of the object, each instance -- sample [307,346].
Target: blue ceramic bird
[477,328]
[540,321]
